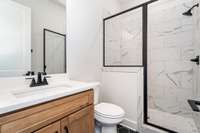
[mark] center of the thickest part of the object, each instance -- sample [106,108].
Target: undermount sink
[40,90]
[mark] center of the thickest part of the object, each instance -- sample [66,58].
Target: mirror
[32,37]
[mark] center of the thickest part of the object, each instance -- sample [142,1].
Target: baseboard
[129,124]
[133,126]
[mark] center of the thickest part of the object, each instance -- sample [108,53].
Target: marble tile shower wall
[171,46]
[196,115]
[122,32]
[197,39]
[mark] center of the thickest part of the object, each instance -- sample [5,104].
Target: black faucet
[40,81]
[39,78]
[30,73]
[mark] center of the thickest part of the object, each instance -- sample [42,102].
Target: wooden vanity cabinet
[52,128]
[79,122]
[72,114]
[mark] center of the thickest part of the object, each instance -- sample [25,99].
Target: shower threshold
[177,123]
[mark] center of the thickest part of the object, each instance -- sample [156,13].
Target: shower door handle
[196,60]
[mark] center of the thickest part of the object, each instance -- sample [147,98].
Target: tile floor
[122,129]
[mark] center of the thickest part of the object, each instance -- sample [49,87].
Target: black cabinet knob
[66,129]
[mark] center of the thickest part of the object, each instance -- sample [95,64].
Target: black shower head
[189,12]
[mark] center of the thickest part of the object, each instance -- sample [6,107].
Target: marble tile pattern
[123,39]
[174,122]
[196,115]
[140,101]
[171,76]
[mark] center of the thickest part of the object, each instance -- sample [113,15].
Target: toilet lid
[109,110]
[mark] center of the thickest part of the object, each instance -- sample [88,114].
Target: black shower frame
[44,48]
[144,7]
[104,38]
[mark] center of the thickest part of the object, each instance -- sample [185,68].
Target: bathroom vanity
[71,114]
[36,96]
[63,106]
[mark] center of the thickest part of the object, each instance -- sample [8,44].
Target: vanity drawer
[34,118]
[53,128]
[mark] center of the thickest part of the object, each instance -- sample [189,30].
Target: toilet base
[97,129]
[109,129]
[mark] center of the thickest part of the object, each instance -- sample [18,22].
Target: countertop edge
[22,106]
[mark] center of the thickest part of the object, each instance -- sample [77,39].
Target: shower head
[189,12]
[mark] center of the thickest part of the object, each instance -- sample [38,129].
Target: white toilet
[107,116]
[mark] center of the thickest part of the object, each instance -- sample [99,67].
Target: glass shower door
[172,77]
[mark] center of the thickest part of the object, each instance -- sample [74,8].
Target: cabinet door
[65,125]
[79,122]
[53,128]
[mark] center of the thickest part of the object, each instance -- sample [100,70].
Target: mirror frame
[44,48]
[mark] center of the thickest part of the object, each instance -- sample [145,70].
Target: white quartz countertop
[16,94]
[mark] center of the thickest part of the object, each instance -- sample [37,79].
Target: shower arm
[197,5]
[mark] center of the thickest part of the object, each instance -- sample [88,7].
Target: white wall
[84,28]
[126,4]
[110,7]
[120,86]
[84,48]
[45,14]
[84,24]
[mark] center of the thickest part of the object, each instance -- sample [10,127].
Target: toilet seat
[107,110]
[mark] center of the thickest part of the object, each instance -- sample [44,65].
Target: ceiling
[125,1]
[63,2]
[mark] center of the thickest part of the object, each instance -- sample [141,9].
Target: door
[53,128]
[79,122]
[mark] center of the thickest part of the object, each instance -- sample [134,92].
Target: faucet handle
[45,81]
[33,82]
[30,73]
